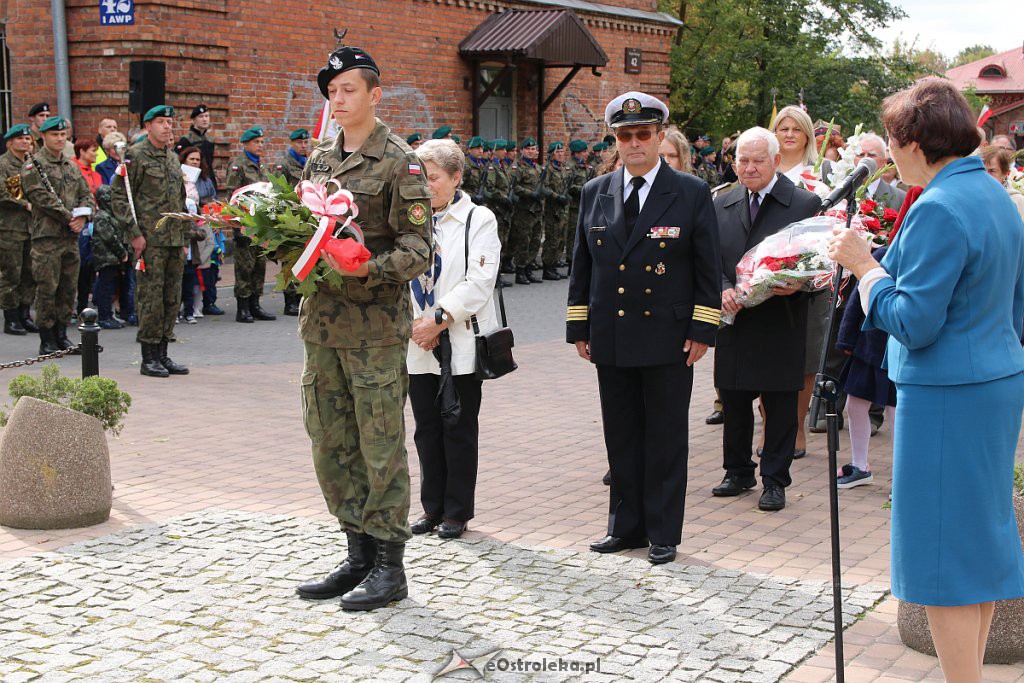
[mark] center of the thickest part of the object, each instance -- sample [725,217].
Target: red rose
[872,224]
[890,215]
[868,206]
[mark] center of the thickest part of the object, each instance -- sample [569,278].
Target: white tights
[860,428]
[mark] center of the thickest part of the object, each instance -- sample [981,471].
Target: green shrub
[95,396]
[1018,479]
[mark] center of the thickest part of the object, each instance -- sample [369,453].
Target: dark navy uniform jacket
[637,298]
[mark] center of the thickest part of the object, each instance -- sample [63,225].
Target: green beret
[475,141]
[577,146]
[527,142]
[441,132]
[457,139]
[555,145]
[17,130]
[299,134]
[706,151]
[600,146]
[415,137]
[510,145]
[252,134]
[499,143]
[54,123]
[487,146]
[159,110]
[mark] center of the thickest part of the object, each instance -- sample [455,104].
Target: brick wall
[254,62]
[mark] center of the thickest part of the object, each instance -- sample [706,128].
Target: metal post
[60,59]
[90,332]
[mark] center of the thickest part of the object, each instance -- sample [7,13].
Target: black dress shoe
[451,529]
[424,525]
[799,453]
[607,478]
[772,498]
[733,486]
[613,544]
[715,418]
[660,554]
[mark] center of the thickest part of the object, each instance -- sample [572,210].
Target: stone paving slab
[209,596]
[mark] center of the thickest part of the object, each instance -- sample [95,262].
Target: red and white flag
[326,127]
[984,116]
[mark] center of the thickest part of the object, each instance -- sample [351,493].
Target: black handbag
[494,349]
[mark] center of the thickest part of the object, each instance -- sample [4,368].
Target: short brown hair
[1001,156]
[936,116]
[84,144]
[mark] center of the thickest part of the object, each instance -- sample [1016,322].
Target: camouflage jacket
[556,188]
[51,214]
[386,178]
[474,180]
[500,184]
[708,173]
[157,187]
[289,168]
[526,176]
[15,218]
[242,171]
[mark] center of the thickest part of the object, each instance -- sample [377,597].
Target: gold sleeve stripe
[706,309]
[576,318]
[578,308]
[704,317]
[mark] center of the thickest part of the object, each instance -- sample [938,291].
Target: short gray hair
[445,153]
[112,139]
[876,137]
[758,133]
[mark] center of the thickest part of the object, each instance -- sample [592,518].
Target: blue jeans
[209,278]
[126,289]
[103,291]
[188,285]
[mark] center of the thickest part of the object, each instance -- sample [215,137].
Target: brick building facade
[1000,78]
[254,62]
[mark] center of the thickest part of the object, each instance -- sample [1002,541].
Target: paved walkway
[228,439]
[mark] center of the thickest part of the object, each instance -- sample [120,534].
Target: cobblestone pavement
[209,596]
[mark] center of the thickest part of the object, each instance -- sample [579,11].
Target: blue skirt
[954,534]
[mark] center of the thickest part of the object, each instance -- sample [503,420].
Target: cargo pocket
[376,399]
[310,407]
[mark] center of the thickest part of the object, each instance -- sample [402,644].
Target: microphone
[865,169]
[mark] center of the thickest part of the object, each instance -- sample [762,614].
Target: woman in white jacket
[445,299]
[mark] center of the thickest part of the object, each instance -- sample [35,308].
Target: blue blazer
[954,306]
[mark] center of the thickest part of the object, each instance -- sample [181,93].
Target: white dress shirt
[763,192]
[627,183]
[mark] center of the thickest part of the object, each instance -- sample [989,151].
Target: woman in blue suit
[950,294]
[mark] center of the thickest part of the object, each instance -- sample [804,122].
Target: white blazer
[461,293]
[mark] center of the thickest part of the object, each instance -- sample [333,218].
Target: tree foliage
[972,54]
[730,56]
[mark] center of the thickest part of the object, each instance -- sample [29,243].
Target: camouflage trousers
[17,286]
[250,269]
[570,232]
[158,293]
[526,234]
[353,405]
[554,236]
[55,270]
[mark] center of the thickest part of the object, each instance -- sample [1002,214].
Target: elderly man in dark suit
[762,353]
[644,305]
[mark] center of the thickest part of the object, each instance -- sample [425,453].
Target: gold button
[647,291]
[599,243]
[621,313]
[623,267]
[647,313]
[648,269]
[661,244]
[622,290]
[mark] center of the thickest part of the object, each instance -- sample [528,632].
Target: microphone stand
[826,388]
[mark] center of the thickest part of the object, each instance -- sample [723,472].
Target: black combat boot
[501,282]
[171,367]
[151,366]
[384,584]
[12,323]
[257,312]
[521,276]
[531,277]
[348,574]
[291,303]
[60,334]
[551,274]
[26,319]
[47,343]
[242,315]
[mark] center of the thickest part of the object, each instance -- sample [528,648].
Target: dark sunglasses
[641,135]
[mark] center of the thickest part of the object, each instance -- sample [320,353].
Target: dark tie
[755,205]
[632,206]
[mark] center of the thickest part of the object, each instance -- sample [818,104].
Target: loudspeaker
[146,82]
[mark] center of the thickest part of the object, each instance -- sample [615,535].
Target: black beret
[39,108]
[198,109]
[344,59]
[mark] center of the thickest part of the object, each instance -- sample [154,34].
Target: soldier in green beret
[355,381]
[61,204]
[414,140]
[528,220]
[150,185]
[293,160]
[580,172]
[706,169]
[499,201]
[17,287]
[441,133]
[250,263]
[556,207]
[474,177]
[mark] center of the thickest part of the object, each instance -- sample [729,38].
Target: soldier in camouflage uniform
[474,179]
[580,171]
[292,161]
[556,209]
[17,288]
[250,262]
[528,220]
[197,137]
[355,382]
[37,116]
[500,183]
[150,185]
[706,170]
[54,186]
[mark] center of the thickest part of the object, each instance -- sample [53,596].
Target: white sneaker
[197,312]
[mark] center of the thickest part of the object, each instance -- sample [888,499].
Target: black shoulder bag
[494,349]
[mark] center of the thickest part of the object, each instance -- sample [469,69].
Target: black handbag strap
[501,297]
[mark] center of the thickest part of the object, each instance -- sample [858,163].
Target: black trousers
[448,455]
[780,428]
[646,418]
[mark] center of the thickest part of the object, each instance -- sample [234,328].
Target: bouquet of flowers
[293,226]
[796,255]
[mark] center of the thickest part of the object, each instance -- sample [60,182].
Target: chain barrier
[49,356]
